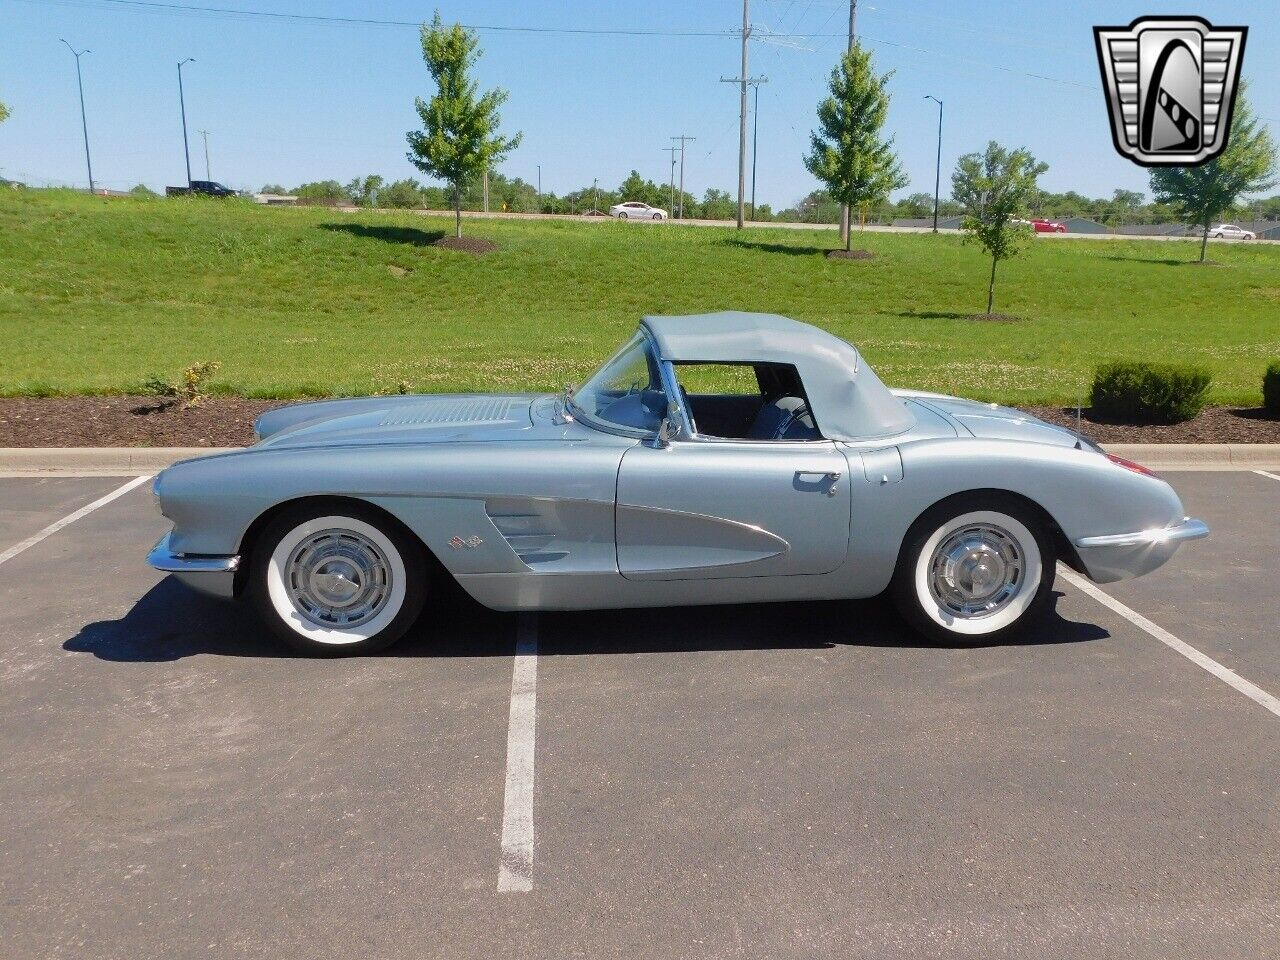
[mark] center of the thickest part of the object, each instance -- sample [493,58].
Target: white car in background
[1229,231]
[635,210]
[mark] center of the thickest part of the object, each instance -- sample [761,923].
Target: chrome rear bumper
[1185,529]
[212,575]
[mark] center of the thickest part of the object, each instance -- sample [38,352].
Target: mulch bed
[127,422]
[850,255]
[228,422]
[474,245]
[1214,425]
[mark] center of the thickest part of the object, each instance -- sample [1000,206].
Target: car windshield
[626,391]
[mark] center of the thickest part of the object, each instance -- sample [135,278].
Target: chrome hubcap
[976,570]
[338,578]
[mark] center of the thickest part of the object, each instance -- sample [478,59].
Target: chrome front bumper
[212,575]
[1119,556]
[1185,529]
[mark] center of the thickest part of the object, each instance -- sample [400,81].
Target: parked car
[635,210]
[1229,231]
[1048,226]
[803,477]
[206,188]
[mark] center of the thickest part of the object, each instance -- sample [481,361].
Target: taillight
[1130,465]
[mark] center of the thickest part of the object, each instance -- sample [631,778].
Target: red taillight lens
[1130,465]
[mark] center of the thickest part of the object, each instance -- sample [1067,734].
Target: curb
[95,461]
[125,461]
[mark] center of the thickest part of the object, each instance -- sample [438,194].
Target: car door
[712,509]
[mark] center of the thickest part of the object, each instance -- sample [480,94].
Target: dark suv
[207,188]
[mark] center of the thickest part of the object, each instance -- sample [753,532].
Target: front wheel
[622,216]
[337,580]
[657,216]
[974,569]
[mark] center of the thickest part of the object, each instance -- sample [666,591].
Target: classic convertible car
[724,458]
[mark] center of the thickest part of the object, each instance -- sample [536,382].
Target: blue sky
[291,101]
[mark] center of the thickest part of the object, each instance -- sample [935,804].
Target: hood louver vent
[447,410]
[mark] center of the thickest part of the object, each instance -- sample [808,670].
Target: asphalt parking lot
[759,781]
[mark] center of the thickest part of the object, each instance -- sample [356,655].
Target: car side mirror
[668,430]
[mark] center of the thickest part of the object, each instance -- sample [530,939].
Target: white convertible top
[846,398]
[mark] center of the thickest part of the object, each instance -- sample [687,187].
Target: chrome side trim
[163,559]
[1185,529]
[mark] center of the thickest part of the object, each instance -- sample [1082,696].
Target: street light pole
[673,151]
[539,188]
[595,194]
[683,140]
[937,176]
[84,124]
[182,103]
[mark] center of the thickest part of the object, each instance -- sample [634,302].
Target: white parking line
[57,525]
[1263,473]
[1226,675]
[515,873]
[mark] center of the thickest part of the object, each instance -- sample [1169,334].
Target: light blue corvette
[723,458]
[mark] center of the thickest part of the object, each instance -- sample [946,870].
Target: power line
[156,6]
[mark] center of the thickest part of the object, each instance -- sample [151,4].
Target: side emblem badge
[470,543]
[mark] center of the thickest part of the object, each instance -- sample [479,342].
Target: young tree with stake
[1203,194]
[995,188]
[459,139]
[846,152]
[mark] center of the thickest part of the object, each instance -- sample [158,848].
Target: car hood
[991,421]
[404,419]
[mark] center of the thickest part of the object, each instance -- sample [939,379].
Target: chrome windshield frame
[665,377]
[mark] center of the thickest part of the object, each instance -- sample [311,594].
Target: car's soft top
[847,399]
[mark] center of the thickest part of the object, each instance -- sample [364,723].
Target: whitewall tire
[974,571]
[334,581]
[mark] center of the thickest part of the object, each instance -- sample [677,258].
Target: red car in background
[1048,226]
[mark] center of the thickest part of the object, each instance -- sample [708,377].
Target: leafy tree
[846,152]
[1128,199]
[274,188]
[323,191]
[995,188]
[4,112]
[142,190]
[1202,194]
[636,187]
[717,205]
[406,194]
[459,139]
[364,193]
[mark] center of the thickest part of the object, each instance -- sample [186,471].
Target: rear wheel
[622,215]
[974,569]
[337,580]
[657,216]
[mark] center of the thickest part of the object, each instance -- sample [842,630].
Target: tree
[4,112]
[406,194]
[323,191]
[846,152]
[459,139]
[1202,194]
[637,188]
[364,193]
[995,188]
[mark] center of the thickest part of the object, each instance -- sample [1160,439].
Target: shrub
[1148,392]
[1271,389]
[193,389]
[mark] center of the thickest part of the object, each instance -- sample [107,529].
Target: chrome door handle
[831,476]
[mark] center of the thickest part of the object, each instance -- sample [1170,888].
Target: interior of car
[763,401]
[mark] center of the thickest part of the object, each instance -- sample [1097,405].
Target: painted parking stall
[782,780]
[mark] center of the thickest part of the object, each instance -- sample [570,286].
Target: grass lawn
[98,294]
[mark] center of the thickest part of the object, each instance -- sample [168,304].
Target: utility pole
[742,81]
[937,176]
[673,151]
[84,124]
[486,189]
[683,140]
[539,188]
[844,207]
[205,135]
[182,102]
[595,194]
[755,141]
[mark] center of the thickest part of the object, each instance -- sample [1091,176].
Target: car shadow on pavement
[171,622]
